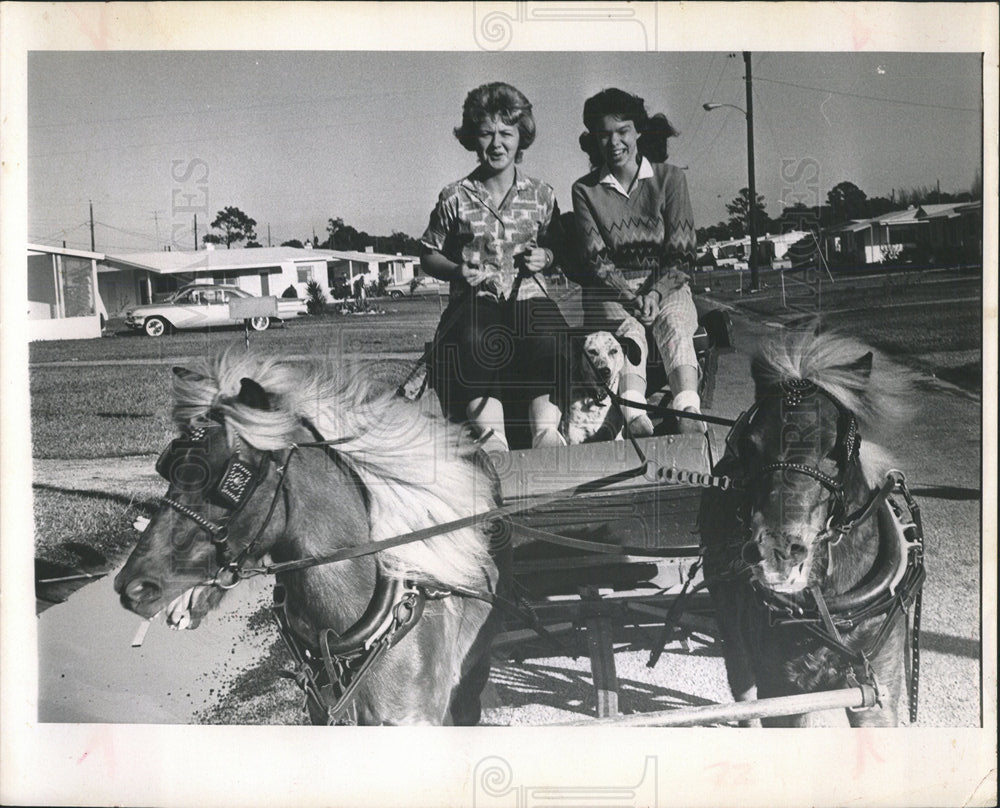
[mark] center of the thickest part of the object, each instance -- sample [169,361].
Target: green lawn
[84,528]
[933,326]
[405,326]
[102,411]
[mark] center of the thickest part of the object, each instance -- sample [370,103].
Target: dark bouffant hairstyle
[653,131]
[496,100]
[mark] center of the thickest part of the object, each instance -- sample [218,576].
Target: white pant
[674,327]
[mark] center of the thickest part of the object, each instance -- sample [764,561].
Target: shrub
[315,298]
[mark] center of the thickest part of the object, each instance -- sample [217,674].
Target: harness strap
[566,541]
[659,409]
[914,691]
[429,532]
[668,621]
[304,675]
[346,671]
[337,669]
[218,532]
[874,502]
[824,613]
[525,615]
[809,471]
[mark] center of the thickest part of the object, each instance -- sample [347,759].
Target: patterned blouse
[465,225]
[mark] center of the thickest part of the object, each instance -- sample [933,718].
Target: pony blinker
[185,463]
[795,391]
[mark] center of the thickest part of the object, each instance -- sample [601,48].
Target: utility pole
[268,234]
[196,232]
[92,249]
[752,212]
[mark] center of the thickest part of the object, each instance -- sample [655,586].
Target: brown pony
[807,562]
[288,463]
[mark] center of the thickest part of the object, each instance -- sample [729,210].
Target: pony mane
[828,360]
[879,399]
[409,460]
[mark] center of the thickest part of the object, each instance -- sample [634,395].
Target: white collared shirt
[645,172]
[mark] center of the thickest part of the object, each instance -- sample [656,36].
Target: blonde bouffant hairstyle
[496,100]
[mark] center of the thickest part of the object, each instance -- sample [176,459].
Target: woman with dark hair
[636,242]
[491,235]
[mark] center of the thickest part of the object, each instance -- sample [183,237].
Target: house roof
[357,255]
[915,215]
[897,217]
[44,248]
[949,210]
[893,217]
[186,261]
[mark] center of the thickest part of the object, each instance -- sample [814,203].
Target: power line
[703,152]
[704,113]
[61,233]
[145,236]
[701,91]
[868,97]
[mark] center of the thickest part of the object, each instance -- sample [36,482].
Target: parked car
[202,305]
[417,287]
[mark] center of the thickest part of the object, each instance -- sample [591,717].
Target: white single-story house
[954,226]
[771,249]
[63,299]
[127,279]
[344,266]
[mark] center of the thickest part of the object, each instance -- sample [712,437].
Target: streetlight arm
[710,105]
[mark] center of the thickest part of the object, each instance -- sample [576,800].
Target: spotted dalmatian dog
[597,365]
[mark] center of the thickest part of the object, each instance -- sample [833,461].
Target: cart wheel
[260,323]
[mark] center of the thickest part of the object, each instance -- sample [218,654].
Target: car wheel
[155,327]
[260,323]
[395,294]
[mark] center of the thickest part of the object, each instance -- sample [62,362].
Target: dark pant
[508,351]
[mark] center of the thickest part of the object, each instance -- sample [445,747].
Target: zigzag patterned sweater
[647,238]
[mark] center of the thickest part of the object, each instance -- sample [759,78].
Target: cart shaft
[857,698]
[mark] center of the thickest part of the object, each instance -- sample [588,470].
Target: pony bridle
[901,572]
[230,490]
[846,452]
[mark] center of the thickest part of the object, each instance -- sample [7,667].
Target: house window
[229,277]
[305,274]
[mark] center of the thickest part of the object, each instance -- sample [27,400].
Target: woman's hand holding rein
[533,260]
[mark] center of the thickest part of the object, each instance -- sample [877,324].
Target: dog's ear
[633,353]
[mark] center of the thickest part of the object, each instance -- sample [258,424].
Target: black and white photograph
[599,399]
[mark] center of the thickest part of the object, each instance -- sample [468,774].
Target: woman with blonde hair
[491,235]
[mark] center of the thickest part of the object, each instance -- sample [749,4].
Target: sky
[296,138]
